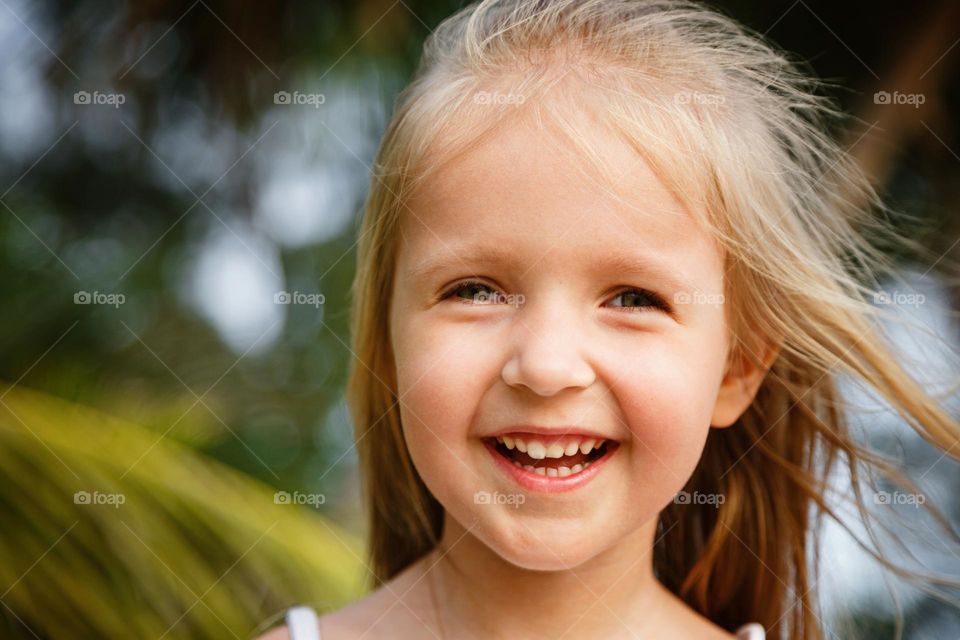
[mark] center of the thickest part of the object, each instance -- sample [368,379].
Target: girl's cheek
[442,374]
[667,405]
[442,377]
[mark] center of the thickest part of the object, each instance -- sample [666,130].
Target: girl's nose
[547,353]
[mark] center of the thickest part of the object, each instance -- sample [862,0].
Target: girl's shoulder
[369,620]
[382,613]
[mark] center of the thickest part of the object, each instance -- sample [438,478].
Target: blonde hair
[739,133]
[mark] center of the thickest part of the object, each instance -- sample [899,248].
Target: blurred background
[180,187]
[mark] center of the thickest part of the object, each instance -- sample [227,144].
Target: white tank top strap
[302,623]
[752,631]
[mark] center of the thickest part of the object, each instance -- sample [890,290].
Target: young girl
[610,271]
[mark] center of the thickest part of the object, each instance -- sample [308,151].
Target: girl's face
[532,304]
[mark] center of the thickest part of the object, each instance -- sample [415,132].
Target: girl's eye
[640,300]
[476,293]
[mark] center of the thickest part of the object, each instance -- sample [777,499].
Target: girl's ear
[740,384]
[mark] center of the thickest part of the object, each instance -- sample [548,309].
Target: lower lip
[546,484]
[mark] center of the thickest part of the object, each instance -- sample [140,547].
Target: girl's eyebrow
[648,266]
[461,259]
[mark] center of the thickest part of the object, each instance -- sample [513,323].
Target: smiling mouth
[551,461]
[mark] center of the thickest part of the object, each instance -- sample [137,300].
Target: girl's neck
[479,594]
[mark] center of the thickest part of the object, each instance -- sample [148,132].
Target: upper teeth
[538,450]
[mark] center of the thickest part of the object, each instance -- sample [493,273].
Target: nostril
[547,374]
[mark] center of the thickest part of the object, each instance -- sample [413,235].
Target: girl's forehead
[522,184]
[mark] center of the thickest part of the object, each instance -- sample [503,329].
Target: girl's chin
[553,560]
[544,551]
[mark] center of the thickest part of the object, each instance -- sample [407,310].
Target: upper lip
[556,431]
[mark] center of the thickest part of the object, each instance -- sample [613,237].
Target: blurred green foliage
[176,546]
